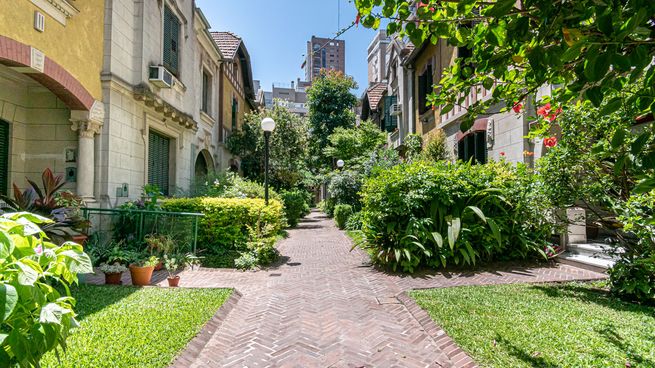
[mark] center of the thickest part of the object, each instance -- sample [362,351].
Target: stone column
[87,124]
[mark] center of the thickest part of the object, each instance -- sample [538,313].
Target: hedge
[228,221]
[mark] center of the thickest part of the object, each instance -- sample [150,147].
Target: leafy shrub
[633,275]
[436,147]
[230,185]
[341,214]
[422,214]
[354,221]
[382,159]
[344,188]
[246,261]
[413,146]
[327,206]
[296,205]
[34,317]
[227,220]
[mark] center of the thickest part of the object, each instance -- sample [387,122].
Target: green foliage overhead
[288,148]
[592,48]
[331,104]
[354,144]
[36,309]
[127,326]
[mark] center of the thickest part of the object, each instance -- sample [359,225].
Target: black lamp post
[268,125]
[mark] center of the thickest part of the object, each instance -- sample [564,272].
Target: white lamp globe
[268,124]
[340,163]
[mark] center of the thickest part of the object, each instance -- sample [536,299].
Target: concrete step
[593,250]
[582,261]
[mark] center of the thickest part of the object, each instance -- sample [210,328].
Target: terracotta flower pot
[159,266]
[174,281]
[141,275]
[113,278]
[80,239]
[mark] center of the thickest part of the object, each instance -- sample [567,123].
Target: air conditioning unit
[396,109]
[160,77]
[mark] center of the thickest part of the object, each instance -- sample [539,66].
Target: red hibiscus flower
[517,107]
[550,142]
[502,154]
[357,19]
[544,110]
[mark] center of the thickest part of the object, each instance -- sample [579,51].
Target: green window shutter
[4,156]
[171,41]
[158,161]
[421,93]
[390,121]
[235,110]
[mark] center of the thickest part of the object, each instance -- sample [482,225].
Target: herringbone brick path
[325,307]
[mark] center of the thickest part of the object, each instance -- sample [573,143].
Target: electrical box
[71,174]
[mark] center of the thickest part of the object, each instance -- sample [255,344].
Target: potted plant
[192,261]
[158,245]
[113,273]
[141,269]
[172,264]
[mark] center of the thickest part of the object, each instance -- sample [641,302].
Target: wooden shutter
[481,147]
[421,93]
[171,41]
[4,156]
[205,92]
[390,121]
[158,161]
[235,110]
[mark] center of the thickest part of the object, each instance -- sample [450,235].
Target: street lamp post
[268,125]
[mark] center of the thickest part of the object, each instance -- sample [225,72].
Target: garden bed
[130,327]
[572,325]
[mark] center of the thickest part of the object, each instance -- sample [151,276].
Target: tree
[288,148]
[331,106]
[354,144]
[593,48]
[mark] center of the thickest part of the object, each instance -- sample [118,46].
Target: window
[235,111]
[4,156]
[158,161]
[466,67]
[171,41]
[473,146]
[206,92]
[424,89]
[390,122]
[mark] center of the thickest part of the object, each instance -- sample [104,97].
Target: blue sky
[276,33]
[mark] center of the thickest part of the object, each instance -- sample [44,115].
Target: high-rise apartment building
[324,53]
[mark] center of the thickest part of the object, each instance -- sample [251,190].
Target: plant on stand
[172,264]
[141,269]
[115,265]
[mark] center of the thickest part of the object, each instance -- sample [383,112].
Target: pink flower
[550,142]
[544,110]
[39,249]
[517,107]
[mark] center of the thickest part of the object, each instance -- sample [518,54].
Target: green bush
[230,185]
[354,221]
[296,205]
[327,206]
[435,214]
[436,147]
[341,214]
[344,188]
[228,221]
[36,308]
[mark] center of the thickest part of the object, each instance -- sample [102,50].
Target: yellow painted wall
[77,47]
[228,93]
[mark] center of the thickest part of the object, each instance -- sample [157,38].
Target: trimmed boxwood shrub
[436,214]
[228,222]
[296,205]
[341,214]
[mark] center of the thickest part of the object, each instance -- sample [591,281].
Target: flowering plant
[112,268]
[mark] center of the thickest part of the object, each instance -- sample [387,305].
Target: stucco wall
[77,46]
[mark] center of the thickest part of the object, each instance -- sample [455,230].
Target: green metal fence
[130,226]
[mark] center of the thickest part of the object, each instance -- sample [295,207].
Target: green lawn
[570,325]
[135,327]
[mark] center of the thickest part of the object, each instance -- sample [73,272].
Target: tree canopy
[354,143]
[331,104]
[591,48]
[288,147]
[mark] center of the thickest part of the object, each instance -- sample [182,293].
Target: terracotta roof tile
[375,93]
[227,42]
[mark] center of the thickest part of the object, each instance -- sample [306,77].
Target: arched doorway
[204,164]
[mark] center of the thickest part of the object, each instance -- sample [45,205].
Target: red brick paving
[324,307]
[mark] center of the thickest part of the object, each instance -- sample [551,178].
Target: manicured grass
[135,327]
[570,325]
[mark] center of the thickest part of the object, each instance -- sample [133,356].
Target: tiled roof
[374,94]
[227,42]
